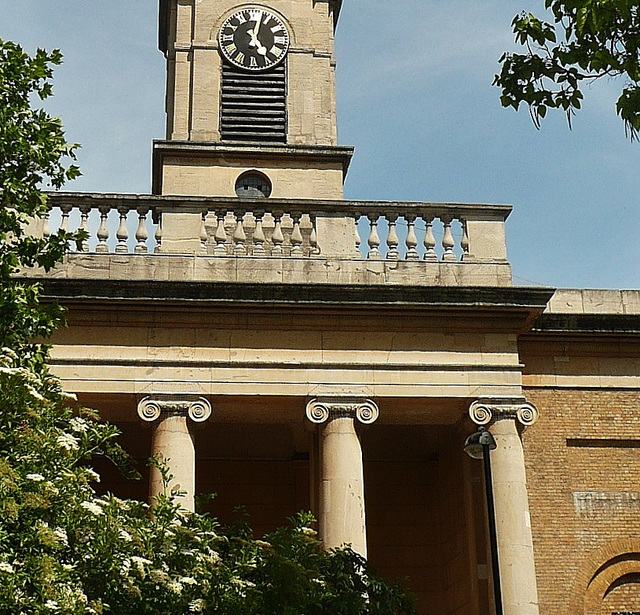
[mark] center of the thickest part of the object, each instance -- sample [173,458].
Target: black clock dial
[254,39]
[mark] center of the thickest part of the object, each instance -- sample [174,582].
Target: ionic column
[513,524]
[341,498]
[172,442]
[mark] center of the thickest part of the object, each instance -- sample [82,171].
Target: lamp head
[478,441]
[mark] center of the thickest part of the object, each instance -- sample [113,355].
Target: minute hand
[262,50]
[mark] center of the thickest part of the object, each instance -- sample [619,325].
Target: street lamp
[478,446]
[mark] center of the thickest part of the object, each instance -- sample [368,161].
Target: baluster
[277,239]
[447,241]
[429,240]
[258,235]
[64,222]
[84,226]
[296,236]
[356,235]
[239,237]
[374,238]
[158,235]
[220,236]
[46,226]
[392,239]
[249,225]
[204,237]
[141,232]
[412,240]
[313,238]
[103,232]
[122,234]
[464,242]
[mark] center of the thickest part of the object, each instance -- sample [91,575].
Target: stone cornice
[477,299]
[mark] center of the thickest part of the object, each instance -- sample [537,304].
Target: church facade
[288,349]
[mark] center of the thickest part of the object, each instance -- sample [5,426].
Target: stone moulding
[151,408]
[484,411]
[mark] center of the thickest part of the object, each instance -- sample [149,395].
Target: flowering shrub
[65,550]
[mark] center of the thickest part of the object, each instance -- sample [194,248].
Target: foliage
[63,548]
[33,153]
[588,40]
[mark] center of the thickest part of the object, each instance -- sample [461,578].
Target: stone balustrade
[299,229]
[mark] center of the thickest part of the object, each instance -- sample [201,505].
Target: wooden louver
[253,106]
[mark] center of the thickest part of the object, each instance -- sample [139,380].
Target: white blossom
[196,606]
[124,535]
[308,531]
[158,576]
[188,581]
[6,567]
[124,569]
[68,442]
[51,605]
[175,587]
[92,474]
[9,353]
[78,425]
[61,535]
[94,509]
[34,393]
[35,477]
[140,563]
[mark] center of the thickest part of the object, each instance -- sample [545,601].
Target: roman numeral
[231,49]
[252,62]
[279,40]
[239,58]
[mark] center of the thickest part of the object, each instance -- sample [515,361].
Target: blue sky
[414,97]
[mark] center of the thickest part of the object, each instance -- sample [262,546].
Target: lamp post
[478,446]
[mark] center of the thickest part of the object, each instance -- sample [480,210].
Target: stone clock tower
[250,100]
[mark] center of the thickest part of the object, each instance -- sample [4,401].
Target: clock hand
[262,50]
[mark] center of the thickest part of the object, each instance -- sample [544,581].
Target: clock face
[254,39]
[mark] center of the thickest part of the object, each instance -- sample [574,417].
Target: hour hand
[254,42]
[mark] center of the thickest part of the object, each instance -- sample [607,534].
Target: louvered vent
[253,105]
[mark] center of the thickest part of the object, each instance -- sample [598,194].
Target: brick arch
[600,571]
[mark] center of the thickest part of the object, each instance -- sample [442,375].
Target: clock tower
[250,100]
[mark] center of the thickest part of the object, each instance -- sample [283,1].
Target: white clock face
[254,39]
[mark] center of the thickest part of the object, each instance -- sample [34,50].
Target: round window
[253,185]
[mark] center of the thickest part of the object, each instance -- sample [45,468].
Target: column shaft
[342,517]
[173,442]
[515,542]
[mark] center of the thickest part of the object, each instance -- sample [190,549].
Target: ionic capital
[323,409]
[198,409]
[484,411]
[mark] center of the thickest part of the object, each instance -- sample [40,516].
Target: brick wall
[583,472]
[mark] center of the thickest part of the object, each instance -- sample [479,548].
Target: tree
[63,548]
[587,40]
[33,152]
